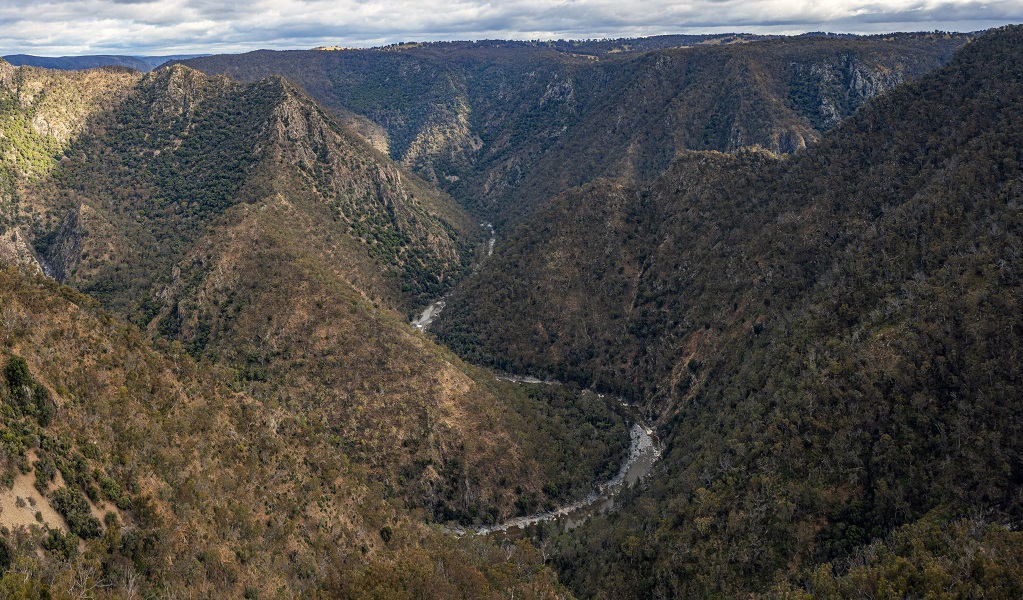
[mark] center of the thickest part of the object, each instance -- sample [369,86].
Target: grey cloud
[142,27]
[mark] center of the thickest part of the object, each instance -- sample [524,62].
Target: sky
[141,27]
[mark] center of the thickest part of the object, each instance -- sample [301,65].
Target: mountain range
[796,259]
[503,126]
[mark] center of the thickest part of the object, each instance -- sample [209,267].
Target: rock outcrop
[16,249]
[65,253]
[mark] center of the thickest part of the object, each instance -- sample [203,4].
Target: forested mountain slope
[290,432]
[183,150]
[831,340]
[245,223]
[41,114]
[503,126]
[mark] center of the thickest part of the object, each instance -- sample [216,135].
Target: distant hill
[592,47]
[78,63]
[503,126]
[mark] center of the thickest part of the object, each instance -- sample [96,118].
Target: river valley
[644,451]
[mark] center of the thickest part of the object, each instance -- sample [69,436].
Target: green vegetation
[27,396]
[245,223]
[244,228]
[73,506]
[933,557]
[41,115]
[166,167]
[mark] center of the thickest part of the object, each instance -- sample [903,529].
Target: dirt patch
[20,505]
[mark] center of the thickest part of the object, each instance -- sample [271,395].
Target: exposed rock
[838,88]
[6,72]
[180,87]
[561,91]
[65,253]
[16,249]
[790,142]
[448,133]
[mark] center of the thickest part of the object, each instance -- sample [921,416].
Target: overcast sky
[55,27]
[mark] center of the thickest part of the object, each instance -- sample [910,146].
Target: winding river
[643,453]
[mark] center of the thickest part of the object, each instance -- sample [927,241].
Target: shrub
[17,375]
[73,506]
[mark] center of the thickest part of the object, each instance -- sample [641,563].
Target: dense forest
[831,341]
[798,259]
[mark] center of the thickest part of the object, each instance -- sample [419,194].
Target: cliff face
[447,138]
[827,92]
[65,252]
[6,72]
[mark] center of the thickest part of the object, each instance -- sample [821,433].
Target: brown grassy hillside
[208,491]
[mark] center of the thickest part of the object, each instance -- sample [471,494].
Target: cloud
[56,27]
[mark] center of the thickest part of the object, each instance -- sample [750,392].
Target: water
[431,312]
[526,379]
[643,453]
[492,240]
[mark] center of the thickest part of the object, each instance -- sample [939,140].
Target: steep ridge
[831,341]
[178,485]
[576,282]
[503,126]
[188,148]
[243,222]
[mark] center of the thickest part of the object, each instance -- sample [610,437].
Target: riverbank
[643,453]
